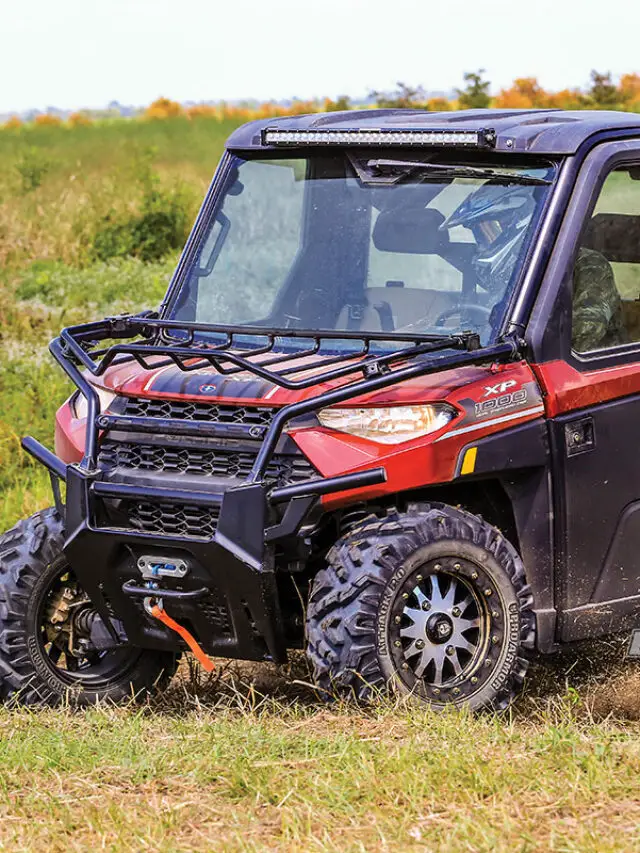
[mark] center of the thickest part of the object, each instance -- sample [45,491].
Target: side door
[590,373]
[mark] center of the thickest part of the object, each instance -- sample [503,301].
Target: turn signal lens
[389,425]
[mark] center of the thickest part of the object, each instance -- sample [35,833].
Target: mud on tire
[432,602]
[31,561]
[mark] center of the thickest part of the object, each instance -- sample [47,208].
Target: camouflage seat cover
[597,307]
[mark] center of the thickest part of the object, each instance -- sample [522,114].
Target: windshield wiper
[407,167]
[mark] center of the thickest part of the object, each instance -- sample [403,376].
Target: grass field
[249,760]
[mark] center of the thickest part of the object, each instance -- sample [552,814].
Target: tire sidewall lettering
[386,603]
[511,649]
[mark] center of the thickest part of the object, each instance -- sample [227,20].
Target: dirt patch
[595,675]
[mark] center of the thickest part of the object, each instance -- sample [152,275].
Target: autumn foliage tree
[79,119]
[475,94]
[163,108]
[629,87]
[524,93]
[403,97]
[603,94]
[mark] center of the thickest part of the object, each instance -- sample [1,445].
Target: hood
[208,385]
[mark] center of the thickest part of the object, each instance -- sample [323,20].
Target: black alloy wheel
[431,603]
[46,655]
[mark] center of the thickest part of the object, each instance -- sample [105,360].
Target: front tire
[38,593]
[431,603]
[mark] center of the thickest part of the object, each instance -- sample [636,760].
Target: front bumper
[239,616]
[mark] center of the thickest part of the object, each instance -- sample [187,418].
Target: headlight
[389,425]
[79,403]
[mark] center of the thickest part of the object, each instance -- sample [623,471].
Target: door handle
[579,436]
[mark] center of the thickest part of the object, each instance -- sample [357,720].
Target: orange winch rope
[189,639]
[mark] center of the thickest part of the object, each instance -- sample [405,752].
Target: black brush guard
[240,617]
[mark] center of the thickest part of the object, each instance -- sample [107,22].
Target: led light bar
[484,138]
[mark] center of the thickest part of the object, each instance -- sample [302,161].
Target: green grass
[87,173]
[249,760]
[35,304]
[227,767]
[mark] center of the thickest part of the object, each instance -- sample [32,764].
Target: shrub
[201,111]
[79,120]
[158,227]
[438,105]
[32,167]
[163,108]
[13,123]
[342,102]
[47,120]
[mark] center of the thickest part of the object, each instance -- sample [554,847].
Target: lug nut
[495,641]
[405,595]
[405,665]
[426,605]
[419,578]
[457,567]
[455,611]
[436,690]
[495,614]
[397,644]
[474,679]
[487,662]
[437,567]
[398,620]
[474,576]
[456,691]
[487,592]
[450,650]
[419,644]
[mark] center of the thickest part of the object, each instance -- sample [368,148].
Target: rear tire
[431,603]
[36,581]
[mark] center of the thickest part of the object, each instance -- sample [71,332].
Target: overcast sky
[85,53]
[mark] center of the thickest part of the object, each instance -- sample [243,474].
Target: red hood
[245,388]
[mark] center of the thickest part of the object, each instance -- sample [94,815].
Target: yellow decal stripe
[469,461]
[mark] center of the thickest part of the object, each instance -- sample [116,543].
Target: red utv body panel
[487,400]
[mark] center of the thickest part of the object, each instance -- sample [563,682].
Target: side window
[606,276]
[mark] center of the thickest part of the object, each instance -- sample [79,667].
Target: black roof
[534,131]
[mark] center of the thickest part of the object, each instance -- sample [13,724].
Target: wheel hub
[439,628]
[63,619]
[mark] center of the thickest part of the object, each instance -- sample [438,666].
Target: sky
[86,53]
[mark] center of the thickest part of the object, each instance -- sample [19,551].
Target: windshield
[332,242]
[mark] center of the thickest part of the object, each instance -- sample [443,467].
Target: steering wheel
[482,313]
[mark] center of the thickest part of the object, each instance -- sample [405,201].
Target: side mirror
[216,240]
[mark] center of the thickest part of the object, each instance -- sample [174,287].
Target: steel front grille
[215,462]
[127,457]
[172,519]
[206,412]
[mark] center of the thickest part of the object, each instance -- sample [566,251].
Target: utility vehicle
[387,411]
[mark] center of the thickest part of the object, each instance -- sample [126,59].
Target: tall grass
[56,183]
[61,189]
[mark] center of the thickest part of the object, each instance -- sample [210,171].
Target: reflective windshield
[331,242]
